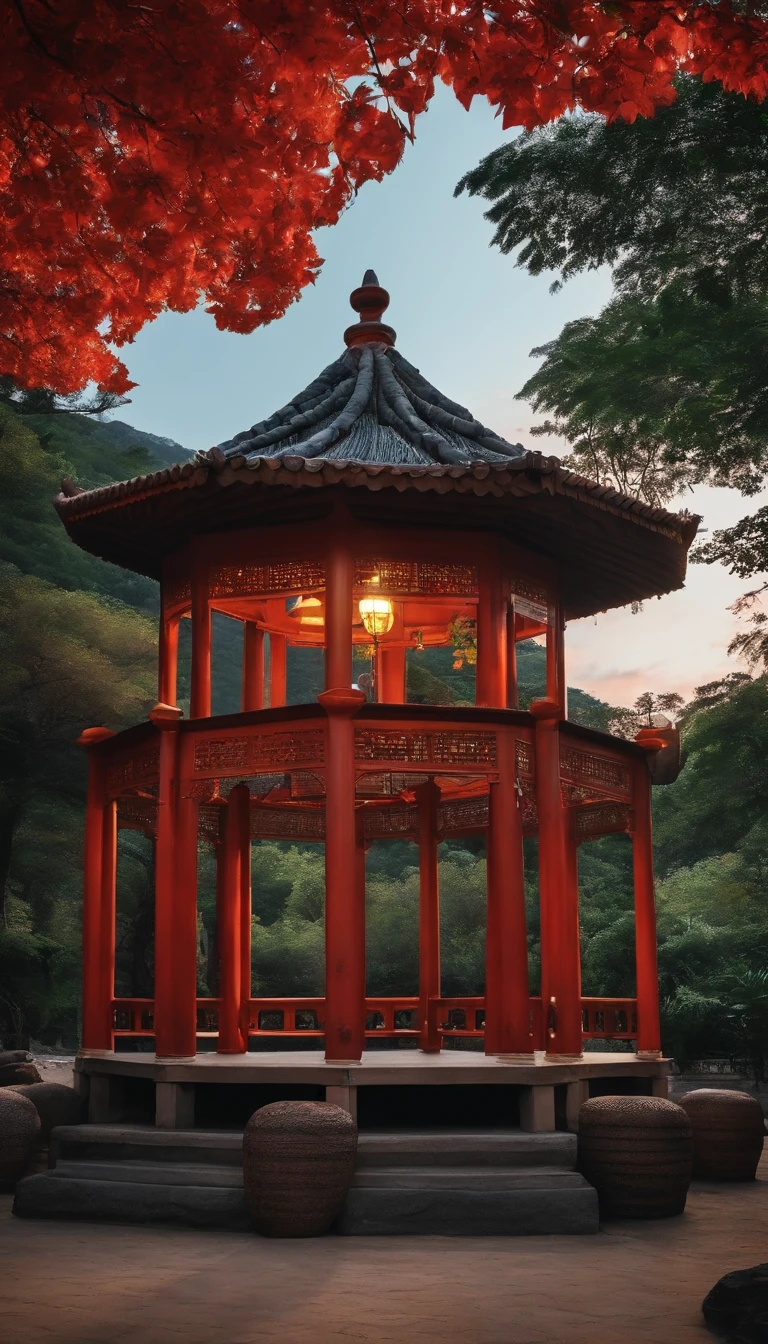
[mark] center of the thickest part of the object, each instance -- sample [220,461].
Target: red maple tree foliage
[156,154]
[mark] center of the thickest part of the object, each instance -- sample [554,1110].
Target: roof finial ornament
[370,301]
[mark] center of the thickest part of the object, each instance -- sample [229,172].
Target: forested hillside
[77,647]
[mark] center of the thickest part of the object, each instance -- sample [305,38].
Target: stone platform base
[473,1183]
[392,1088]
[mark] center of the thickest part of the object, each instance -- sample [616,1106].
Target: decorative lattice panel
[524,758]
[299,576]
[388,822]
[137,814]
[250,754]
[412,577]
[462,815]
[528,806]
[594,771]
[603,819]
[422,748]
[131,770]
[177,592]
[209,824]
[387,785]
[276,823]
[529,589]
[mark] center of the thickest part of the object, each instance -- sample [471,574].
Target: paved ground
[67,1283]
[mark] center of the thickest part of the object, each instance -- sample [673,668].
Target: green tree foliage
[667,385]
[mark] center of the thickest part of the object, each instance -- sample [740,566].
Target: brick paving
[70,1283]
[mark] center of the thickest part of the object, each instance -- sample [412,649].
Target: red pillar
[339,580]
[253,667]
[344,922]
[429,918]
[648,1022]
[556,688]
[391,672]
[491,685]
[507,1005]
[108,918]
[229,921]
[200,694]
[558,894]
[175,906]
[168,661]
[245,923]
[513,700]
[278,669]
[97,1013]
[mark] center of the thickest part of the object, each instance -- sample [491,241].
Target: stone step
[147,1144]
[466,1148]
[50,1195]
[153,1173]
[466,1178]
[555,1203]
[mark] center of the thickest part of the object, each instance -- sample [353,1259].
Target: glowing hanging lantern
[377,615]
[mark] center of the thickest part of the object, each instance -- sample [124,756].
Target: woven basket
[728,1132]
[19,1136]
[637,1152]
[298,1162]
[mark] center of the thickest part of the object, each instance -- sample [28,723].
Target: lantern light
[377,615]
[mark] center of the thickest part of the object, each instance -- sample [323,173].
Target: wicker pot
[637,1152]
[298,1161]
[19,1136]
[54,1103]
[728,1132]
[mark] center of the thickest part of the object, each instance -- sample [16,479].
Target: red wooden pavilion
[371,509]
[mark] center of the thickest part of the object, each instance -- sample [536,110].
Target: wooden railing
[398,1016]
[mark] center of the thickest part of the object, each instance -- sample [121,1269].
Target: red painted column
[648,1022]
[556,688]
[558,894]
[429,917]
[253,667]
[108,920]
[278,669]
[344,927]
[391,669]
[507,1006]
[360,874]
[513,700]
[491,685]
[183,1045]
[245,923]
[168,660]
[229,916]
[97,1018]
[339,580]
[169,965]
[200,694]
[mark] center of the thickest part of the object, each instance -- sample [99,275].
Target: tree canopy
[667,385]
[155,155]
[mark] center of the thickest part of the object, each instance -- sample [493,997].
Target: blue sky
[468,318]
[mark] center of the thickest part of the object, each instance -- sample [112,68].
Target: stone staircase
[461,1183]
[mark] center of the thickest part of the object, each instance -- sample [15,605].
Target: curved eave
[614,548]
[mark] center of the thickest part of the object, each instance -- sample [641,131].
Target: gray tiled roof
[372,406]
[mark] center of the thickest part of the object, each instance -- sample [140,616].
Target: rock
[19,1136]
[54,1103]
[298,1162]
[638,1153]
[728,1132]
[14,1057]
[737,1306]
[18,1072]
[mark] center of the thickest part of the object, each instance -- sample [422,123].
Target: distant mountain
[124,436]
